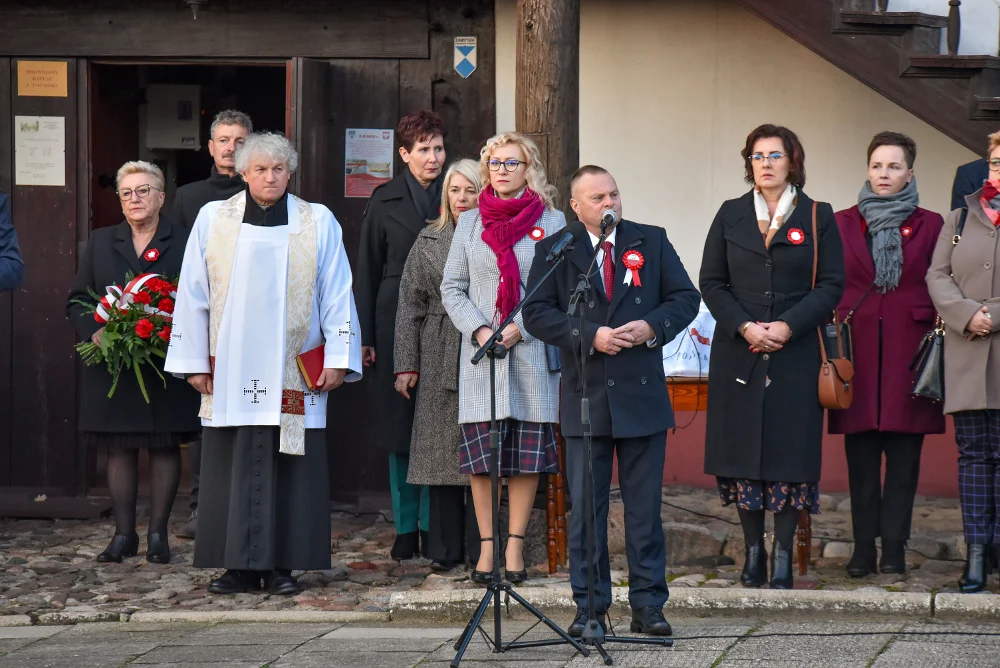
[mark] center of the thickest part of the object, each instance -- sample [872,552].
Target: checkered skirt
[525,447]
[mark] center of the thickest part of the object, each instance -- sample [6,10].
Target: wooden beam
[547,90]
[372,29]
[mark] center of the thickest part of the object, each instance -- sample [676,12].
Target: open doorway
[162,113]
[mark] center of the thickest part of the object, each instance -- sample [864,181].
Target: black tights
[785,524]
[123,481]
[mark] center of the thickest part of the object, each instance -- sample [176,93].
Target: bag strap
[850,313]
[819,330]
[960,227]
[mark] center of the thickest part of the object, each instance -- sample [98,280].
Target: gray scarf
[884,214]
[427,201]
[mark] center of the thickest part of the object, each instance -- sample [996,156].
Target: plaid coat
[526,389]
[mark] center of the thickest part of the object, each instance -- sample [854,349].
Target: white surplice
[250,351]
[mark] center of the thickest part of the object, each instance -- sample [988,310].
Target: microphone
[560,246]
[608,219]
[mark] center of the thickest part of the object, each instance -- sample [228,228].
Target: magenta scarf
[505,222]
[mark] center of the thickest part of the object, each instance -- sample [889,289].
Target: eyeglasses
[995,163]
[770,157]
[142,191]
[509,165]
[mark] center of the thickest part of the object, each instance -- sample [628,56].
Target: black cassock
[259,509]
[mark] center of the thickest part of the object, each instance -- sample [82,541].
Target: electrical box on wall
[173,117]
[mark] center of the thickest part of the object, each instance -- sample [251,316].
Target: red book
[311,365]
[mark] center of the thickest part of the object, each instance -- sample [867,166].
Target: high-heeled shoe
[157,548]
[120,547]
[516,577]
[977,569]
[482,577]
[755,566]
[781,566]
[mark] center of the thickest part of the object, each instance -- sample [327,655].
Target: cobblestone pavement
[699,643]
[48,567]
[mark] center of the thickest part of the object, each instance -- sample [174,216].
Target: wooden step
[884,23]
[948,67]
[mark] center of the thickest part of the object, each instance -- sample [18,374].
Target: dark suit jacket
[968,179]
[108,258]
[11,264]
[191,197]
[628,392]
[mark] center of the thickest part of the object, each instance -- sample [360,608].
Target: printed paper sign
[368,155]
[40,151]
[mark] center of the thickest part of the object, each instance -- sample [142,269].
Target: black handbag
[929,364]
[846,341]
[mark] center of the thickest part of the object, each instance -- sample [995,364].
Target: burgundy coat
[887,329]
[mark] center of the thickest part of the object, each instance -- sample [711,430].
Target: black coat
[108,258]
[774,434]
[968,179]
[628,392]
[391,225]
[191,197]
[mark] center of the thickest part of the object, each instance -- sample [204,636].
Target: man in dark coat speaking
[641,298]
[229,129]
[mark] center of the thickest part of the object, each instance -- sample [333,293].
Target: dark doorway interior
[127,99]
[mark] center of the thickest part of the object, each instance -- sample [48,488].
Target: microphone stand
[593,635]
[494,350]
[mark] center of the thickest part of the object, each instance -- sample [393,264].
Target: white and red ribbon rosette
[633,261]
[123,298]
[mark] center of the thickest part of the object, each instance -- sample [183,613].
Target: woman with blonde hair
[484,280]
[426,349]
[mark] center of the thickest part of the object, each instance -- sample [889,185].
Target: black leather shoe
[120,547]
[443,565]
[575,629]
[893,557]
[781,567]
[235,582]
[482,577]
[755,567]
[977,569]
[280,582]
[405,546]
[863,560]
[516,577]
[157,548]
[425,543]
[650,620]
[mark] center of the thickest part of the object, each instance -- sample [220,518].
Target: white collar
[611,237]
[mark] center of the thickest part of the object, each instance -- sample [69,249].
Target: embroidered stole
[220,250]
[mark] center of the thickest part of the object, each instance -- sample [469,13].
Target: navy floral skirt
[774,496]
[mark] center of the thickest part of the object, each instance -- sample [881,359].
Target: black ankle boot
[893,557]
[755,567]
[863,560]
[121,547]
[781,566]
[977,569]
[405,546]
[157,548]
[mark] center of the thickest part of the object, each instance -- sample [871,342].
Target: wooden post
[547,91]
[804,534]
[954,26]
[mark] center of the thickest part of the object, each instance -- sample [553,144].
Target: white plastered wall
[669,91]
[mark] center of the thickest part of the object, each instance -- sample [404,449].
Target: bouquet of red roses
[136,321]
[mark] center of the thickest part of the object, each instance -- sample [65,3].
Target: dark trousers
[978,436]
[453,533]
[640,475]
[194,466]
[879,509]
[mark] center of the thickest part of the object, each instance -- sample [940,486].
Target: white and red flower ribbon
[633,262]
[121,298]
[536,233]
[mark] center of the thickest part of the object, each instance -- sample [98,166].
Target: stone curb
[15,620]
[71,616]
[272,616]
[967,606]
[459,605]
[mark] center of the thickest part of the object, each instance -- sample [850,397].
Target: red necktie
[609,269]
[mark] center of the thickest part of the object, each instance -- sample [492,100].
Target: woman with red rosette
[765,423]
[888,244]
[484,279]
[124,423]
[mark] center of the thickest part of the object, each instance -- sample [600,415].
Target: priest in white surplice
[265,277]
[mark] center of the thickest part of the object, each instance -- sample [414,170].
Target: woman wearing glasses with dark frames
[124,423]
[765,422]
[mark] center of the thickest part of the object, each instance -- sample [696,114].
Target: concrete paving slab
[31,631]
[271,616]
[937,655]
[977,632]
[389,632]
[366,660]
[762,646]
[90,661]
[212,654]
[479,651]
[348,645]
[967,606]
[665,658]
[8,645]
[15,620]
[253,634]
[226,664]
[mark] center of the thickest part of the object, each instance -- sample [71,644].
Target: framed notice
[368,156]
[40,151]
[42,78]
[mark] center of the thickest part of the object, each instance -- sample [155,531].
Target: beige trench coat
[962,279]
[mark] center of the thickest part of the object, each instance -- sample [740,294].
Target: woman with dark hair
[889,242]
[396,214]
[765,422]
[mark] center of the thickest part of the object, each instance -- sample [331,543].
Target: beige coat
[962,278]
